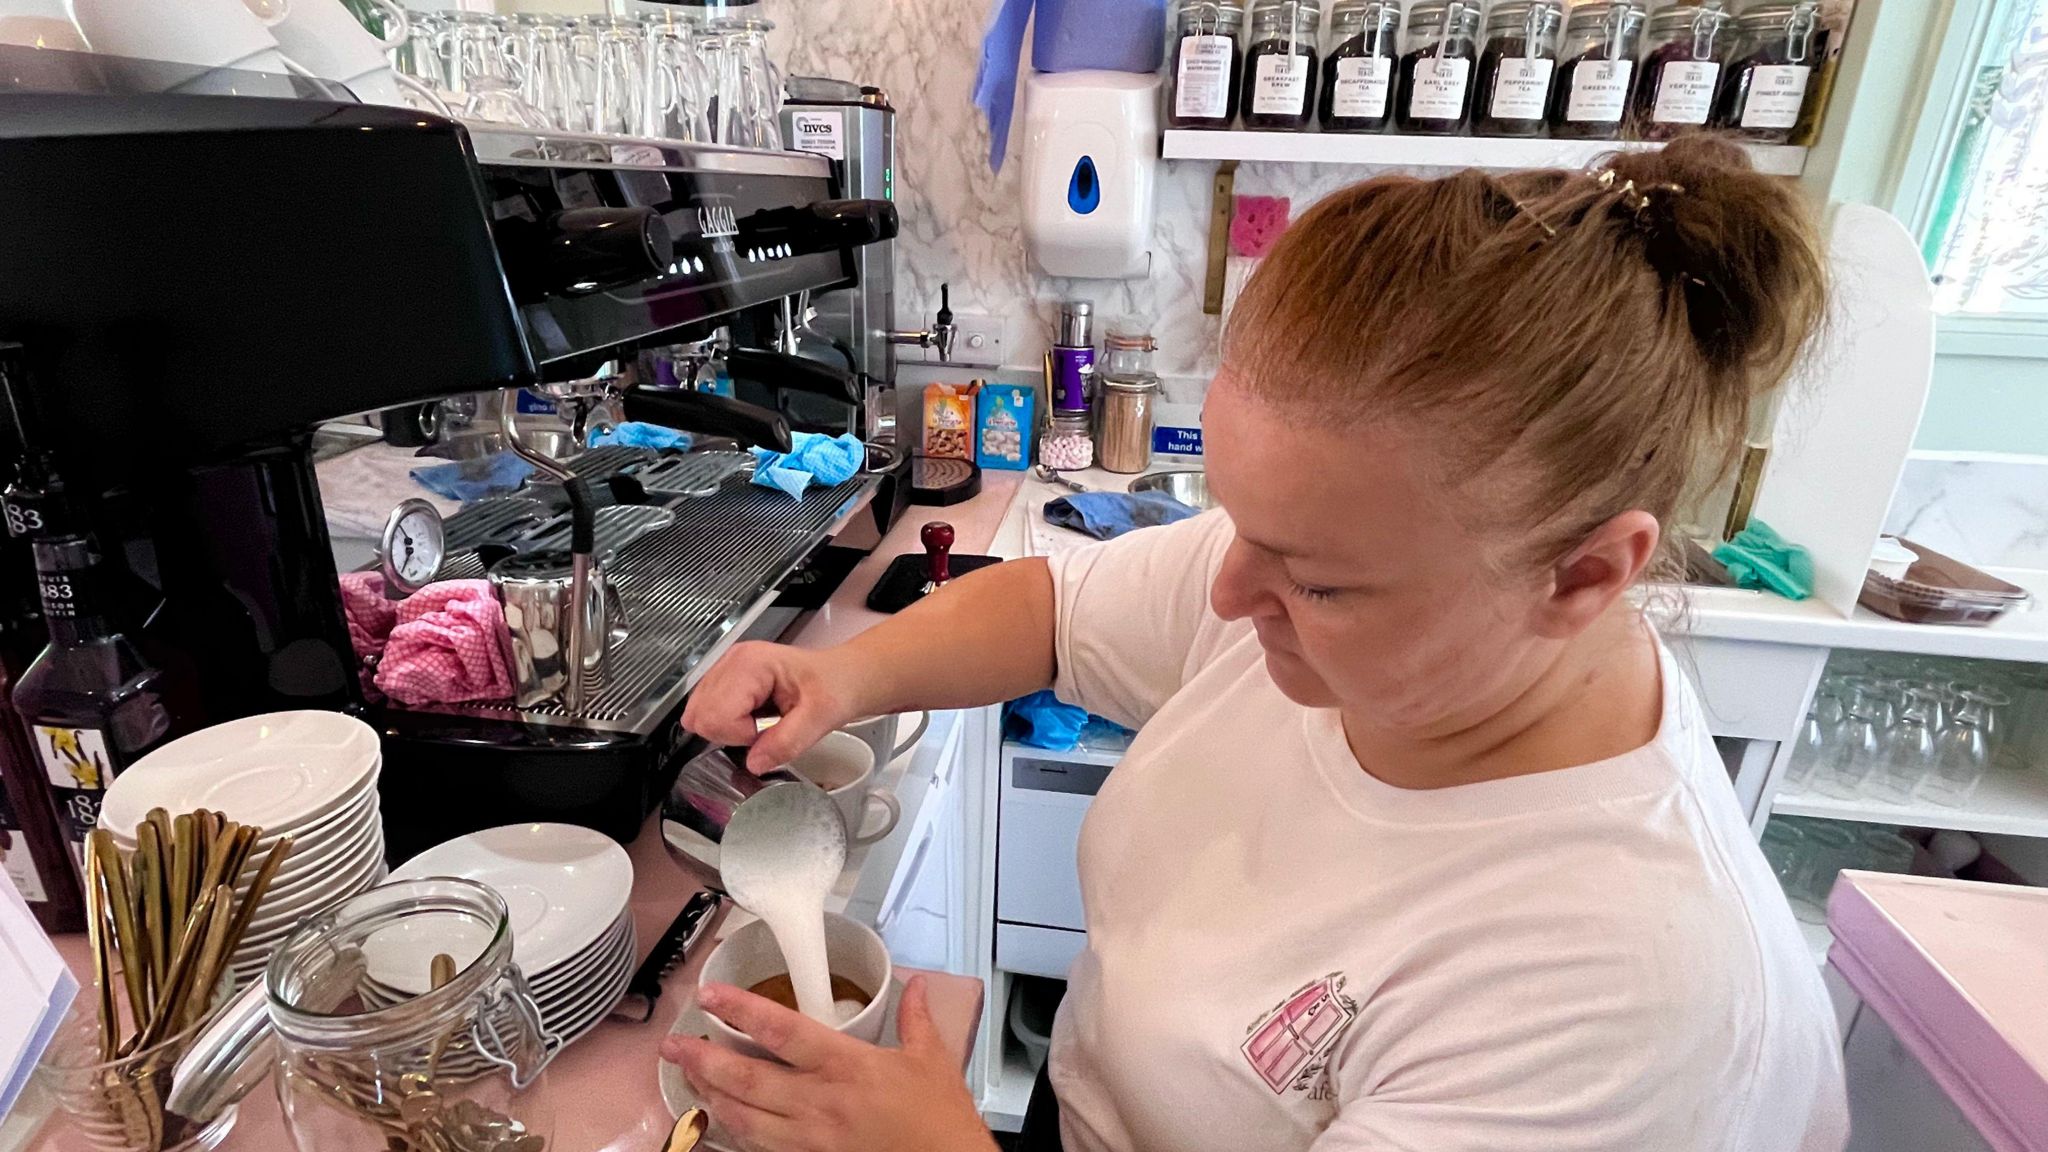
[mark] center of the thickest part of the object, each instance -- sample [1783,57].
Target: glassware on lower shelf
[1964,752]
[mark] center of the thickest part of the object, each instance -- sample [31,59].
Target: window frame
[1930,146]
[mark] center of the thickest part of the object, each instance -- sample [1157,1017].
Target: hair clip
[1548,230]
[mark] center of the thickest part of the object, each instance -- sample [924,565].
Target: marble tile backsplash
[961,222]
[1985,510]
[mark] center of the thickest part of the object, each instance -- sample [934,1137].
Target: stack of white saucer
[567,890]
[308,775]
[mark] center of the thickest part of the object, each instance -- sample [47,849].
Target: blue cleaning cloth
[472,480]
[1113,35]
[1040,720]
[636,434]
[1066,36]
[995,83]
[1108,515]
[1760,558]
[813,458]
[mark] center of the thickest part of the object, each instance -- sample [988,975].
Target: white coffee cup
[853,951]
[209,33]
[880,734]
[844,766]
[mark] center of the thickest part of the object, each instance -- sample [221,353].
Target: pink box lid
[1960,972]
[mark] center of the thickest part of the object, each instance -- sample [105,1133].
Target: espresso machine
[197,283]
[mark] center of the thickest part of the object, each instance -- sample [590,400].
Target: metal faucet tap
[939,335]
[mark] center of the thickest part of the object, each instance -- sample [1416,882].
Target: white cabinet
[1042,800]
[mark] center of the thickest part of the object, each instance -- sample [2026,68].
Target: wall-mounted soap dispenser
[1091,161]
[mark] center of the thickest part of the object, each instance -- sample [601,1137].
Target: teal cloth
[1760,558]
[813,458]
[638,434]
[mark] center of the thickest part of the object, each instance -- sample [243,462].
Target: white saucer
[278,770]
[564,885]
[581,969]
[679,1097]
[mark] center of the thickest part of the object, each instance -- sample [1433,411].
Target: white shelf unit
[1431,151]
[2009,801]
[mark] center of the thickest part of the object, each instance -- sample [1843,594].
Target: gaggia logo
[717,223]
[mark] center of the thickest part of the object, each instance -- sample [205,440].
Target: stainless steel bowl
[1187,485]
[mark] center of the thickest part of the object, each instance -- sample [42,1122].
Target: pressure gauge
[414,545]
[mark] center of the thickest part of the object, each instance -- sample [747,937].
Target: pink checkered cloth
[449,646]
[370,616]
[444,645]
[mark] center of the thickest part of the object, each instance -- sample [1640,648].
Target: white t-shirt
[1285,953]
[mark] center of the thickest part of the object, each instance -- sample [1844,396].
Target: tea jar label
[1280,85]
[1361,89]
[1202,90]
[1520,89]
[1439,91]
[1599,90]
[1685,92]
[1775,93]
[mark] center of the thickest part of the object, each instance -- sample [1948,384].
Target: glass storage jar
[1766,86]
[1681,69]
[1280,65]
[1594,81]
[1358,72]
[1436,69]
[1127,408]
[372,1055]
[1208,64]
[1511,94]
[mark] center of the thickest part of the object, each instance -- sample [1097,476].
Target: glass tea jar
[1358,72]
[1280,65]
[1681,69]
[1208,64]
[1127,407]
[1766,85]
[1435,74]
[1511,94]
[1593,83]
[376,1048]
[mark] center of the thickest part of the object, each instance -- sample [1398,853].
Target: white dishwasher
[1042,801]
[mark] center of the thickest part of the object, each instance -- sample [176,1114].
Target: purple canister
[1073,356]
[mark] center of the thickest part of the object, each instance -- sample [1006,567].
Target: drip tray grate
[684,587]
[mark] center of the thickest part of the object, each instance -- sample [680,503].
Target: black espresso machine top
[197,281]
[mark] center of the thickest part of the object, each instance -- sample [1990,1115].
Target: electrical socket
[978,342]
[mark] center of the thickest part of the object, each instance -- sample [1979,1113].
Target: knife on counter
[682,934]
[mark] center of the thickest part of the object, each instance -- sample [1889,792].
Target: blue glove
[636,434]
[473,480]
[1108,515]
[813,458]
[1040,720]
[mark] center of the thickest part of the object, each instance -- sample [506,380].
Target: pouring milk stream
[781,854]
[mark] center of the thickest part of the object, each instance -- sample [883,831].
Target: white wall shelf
[2009,801]
[1429,151]
[1737,614]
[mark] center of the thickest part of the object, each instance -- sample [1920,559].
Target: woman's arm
[983,638]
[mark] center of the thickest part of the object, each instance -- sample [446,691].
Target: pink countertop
[1959,970]
[974,523]
[605,1088]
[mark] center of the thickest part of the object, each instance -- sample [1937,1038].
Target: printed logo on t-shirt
[1289,1047]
